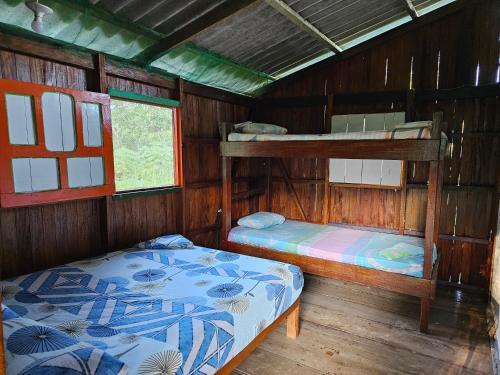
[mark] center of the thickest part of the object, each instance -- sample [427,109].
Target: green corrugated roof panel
[202,66]
[78,26]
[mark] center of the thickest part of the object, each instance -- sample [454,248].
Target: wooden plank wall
[447,53]
[39,237]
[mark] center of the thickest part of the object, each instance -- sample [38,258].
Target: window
[366,172]
[57,145]
[146,142]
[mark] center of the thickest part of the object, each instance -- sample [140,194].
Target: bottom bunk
[147,310]
[389,261]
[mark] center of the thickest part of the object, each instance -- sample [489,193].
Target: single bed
[145,311]
[366,248]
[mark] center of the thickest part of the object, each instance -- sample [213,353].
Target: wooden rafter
[305,25]
[212,17]
[410,8]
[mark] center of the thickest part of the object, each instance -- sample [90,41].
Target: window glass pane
[58,121]
[20,119]
[92,124]
[84,172]
[35,174]
[142,145]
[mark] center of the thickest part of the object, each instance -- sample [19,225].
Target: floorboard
[352,329]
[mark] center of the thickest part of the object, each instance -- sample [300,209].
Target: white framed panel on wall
[366,171]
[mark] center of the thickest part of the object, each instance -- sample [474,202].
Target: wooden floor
[351,329]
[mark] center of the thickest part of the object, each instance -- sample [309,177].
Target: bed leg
[425,306]
[292,323]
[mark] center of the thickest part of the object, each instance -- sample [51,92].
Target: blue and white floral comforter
[142,311]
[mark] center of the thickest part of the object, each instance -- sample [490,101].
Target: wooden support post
[227,187]
[405,165]
[101,80]
[292,323]
[404,190]
[493,227]
[327,127]
[425,307]
[326,192]
[181,214]
[432,220]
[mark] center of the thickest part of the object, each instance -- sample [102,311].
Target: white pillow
[261,220]
[250,127]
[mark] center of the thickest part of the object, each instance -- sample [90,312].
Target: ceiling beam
[410,8]
[212,17]
[304,24]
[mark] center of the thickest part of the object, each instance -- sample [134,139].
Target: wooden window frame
[8,196]
[176,108]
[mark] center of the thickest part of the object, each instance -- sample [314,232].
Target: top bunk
[416,141]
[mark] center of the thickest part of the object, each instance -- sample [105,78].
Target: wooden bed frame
[427,150]
[292,330]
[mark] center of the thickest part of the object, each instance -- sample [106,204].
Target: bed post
[227,185]
[432,219]
[292,323]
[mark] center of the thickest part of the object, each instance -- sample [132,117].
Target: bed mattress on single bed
[418,133]
[381,251]
[143,311]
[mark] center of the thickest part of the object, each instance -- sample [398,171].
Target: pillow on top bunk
[261,220]
[250,127]
[170,241]
[400,251]
[414,125]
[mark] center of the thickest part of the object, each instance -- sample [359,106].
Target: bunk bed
[427,148]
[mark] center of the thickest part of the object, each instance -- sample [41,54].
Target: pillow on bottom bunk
[261,220]
[169,241]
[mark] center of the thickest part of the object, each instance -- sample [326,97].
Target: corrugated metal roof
[262,39]
[164,16]
[260,42]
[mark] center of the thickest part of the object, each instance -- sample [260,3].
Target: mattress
[143,312]
[419,133]
[381,251]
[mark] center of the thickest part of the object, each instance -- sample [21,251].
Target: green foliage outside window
[142,145]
